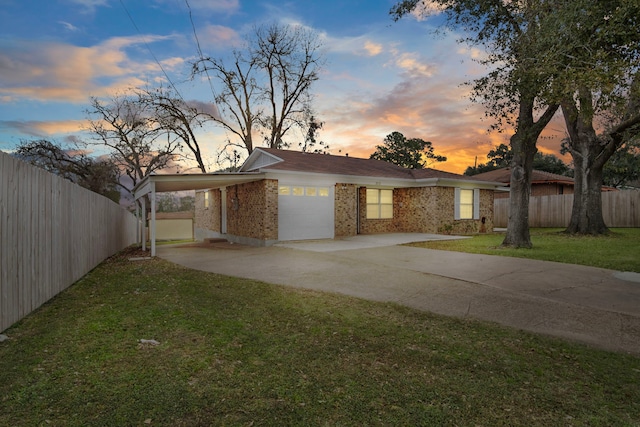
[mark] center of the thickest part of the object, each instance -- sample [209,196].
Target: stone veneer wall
[252,210]
[426,210]
[346,210]
[208,219]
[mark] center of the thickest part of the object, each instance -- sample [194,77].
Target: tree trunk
[590,153]
[589,158]
[524,149]
[523,146]
[586,213]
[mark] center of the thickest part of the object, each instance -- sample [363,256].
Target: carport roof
[201,181]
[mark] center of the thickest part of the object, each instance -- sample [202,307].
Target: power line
[195,34]
[206,71]
[150,51]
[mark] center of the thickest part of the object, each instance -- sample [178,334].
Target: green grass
[620,250]
[239,352]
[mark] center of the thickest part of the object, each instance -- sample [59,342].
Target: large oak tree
[513,90]
[597,47]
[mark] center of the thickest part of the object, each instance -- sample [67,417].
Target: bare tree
[264,89]
[177,117]
[128,128]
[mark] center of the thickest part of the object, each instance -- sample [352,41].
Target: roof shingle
[345,165]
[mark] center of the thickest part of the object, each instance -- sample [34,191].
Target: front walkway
[585,304]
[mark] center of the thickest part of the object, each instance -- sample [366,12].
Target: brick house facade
[422,201]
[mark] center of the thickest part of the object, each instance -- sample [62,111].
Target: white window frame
[476,203]
[378,204]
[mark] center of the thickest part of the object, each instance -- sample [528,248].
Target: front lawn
[239,352]
[619,250]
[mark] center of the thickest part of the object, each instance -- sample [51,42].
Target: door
[305,211]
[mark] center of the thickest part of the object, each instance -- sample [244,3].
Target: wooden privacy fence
[52,232]
[619,209]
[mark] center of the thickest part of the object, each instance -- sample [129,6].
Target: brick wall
[375,226]
[445,224]
[209,218]
[346,210]
[252,210]
[426,210]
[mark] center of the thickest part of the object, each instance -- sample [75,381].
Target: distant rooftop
[537,177]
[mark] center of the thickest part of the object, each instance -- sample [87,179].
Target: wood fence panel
[619,209]
[52,232]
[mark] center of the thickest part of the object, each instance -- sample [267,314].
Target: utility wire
[150,51]
[195,34]
[206,71]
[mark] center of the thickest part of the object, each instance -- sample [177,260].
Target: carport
[165,183]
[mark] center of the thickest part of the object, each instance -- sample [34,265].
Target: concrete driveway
[591,305]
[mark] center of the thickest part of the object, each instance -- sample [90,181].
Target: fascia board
[385,182]
[182,182]
[142,188]
[343,179]
[461,183]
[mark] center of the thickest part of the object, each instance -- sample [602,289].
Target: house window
[379,203]
[311,191]
[323,192]
[206,200]
[467,203]
[298,191]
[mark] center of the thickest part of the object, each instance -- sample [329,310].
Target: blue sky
[380,76]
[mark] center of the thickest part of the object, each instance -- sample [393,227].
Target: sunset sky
[380,76]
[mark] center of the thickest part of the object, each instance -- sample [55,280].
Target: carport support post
[152,226]
[138,226]
[143,231]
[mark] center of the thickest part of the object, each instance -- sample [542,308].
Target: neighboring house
[174,225]
[281,195]
[542,183]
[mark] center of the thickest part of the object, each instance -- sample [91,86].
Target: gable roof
[271,159]
[503,176]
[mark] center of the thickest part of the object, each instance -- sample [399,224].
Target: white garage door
[305,212]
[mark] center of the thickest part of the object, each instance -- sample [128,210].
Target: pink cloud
[217,37]
[44,129]
[61,72]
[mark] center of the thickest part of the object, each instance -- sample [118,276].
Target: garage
[305,211]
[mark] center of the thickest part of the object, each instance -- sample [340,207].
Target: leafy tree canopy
[501,156]
[412,153]
[624,166]
[98,175]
